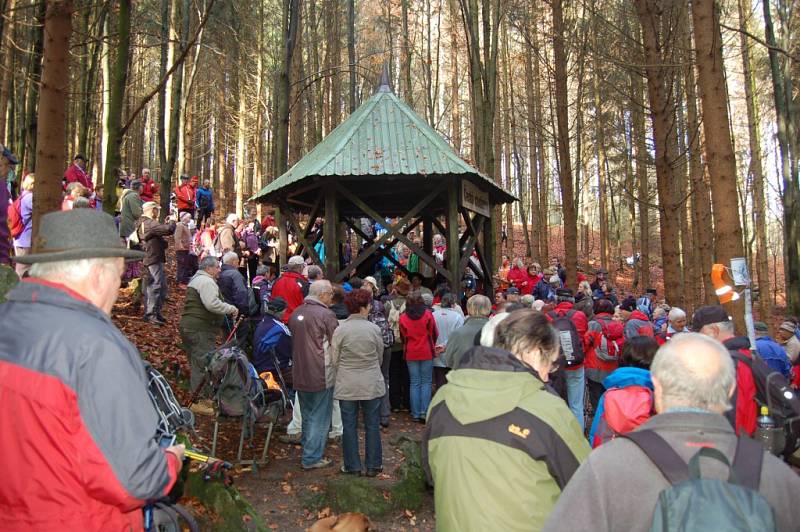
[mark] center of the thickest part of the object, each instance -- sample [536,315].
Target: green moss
[235,513]
[8,280]
[353,494]
[409,491]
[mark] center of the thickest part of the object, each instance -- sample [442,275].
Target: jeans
[296,424]
[386,408]
[317,409]
[372,434]
[421,373]
[576,384]
[155,290]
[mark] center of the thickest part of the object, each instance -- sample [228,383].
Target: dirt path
[280,491]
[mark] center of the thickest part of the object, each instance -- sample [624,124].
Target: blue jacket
[774,355]
[234,289]
[204,193]
[271,333]
[619,378]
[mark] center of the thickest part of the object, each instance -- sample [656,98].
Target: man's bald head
[693,371]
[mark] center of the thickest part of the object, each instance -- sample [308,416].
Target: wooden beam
[300,234]
[453,246]
[375,247]
[486,260]
[391,230]
[283,239]
[330,229]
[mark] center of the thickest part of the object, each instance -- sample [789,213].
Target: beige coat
[183,237]
[356,356]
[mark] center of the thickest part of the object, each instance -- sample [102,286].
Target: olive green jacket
[499,446]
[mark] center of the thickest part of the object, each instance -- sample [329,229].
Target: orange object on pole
[723,284]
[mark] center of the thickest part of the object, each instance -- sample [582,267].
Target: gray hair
[69,269]
[487,333]
[725,326]
[230,258]
[479,306]
[314,273]
[448,300]
[676,313]
[319,288]
[208,262]
[232,218]
[527,300]
[694,371]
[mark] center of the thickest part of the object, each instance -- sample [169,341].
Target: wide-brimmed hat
[77,234]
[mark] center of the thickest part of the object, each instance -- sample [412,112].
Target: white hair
[209,261]
[676,313]
[230,258]
[688,375]
[487,333]
[319,288]
[232,218]
[69,269]
[479,305]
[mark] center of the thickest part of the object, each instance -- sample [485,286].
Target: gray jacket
[356,356]
[618,486]
[462,340]
[130,212]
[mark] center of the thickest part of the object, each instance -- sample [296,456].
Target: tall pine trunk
[53,97]
[719,145]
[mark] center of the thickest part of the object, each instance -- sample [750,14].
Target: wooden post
[453,248]
[427,240]
[283,238]
[330,233]
[488,246]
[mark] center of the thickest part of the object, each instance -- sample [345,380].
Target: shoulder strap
[748,461]
[661,454]
[570,313]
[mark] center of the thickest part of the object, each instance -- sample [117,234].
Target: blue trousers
[576,387]
[372,433]
[317,408]
[420,374]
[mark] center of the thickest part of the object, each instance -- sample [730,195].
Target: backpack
[693,502]
[237,389]
[608,350]
[624,409]
[775,392]
[394,319]
[203,201]
[15,223]
[568,336]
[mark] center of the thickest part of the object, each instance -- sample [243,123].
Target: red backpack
[15,223]
[609,349]
[624,409]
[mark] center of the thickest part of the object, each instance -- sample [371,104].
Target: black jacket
[152,237]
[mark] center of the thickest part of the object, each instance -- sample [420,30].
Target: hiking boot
[348,472]
[291,438]
[374,472]
[155,320]
[204,407]
[324,462]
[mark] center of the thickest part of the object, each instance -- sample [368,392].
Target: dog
[349,522]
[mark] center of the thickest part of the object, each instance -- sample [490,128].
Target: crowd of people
[544,396]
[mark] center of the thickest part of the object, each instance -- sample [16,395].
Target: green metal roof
[382,137]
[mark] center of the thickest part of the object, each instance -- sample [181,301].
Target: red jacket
[185,195]
[75,174]
[419,336]
[76,430]
[614,338]
[290,286]
[746,407]
[580,321]
[149,189]
[520,279]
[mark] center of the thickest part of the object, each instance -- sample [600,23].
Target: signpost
[741,277]
[475,199]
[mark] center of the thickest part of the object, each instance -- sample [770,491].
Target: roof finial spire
[385,84]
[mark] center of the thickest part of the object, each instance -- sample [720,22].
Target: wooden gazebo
[384,162]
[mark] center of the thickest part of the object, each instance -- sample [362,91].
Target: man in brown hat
[78,426]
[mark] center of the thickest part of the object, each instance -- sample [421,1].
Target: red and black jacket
[77,427]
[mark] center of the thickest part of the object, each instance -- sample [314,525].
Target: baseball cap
[512,290]
[371,280]
[708,315]
[149,206]
[277,304]
[563,292]
[760,327]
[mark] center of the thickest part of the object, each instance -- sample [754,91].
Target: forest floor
[281,492]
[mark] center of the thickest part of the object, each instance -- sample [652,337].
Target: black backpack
[692,502]
[774,392]
[568,336]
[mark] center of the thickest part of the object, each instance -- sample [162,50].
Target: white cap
[371,280]
[296,259]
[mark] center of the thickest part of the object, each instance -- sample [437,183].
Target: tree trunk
[28,155]
[119,78]
[8,57]
[297,108]
[531,96]
[405,57]
[562,139]
[601,162]
[54,93]
[756,169]
[642,158]
[790,152]
[718,146]
[291,22]
[455,99]
[658,25]
[351,51]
